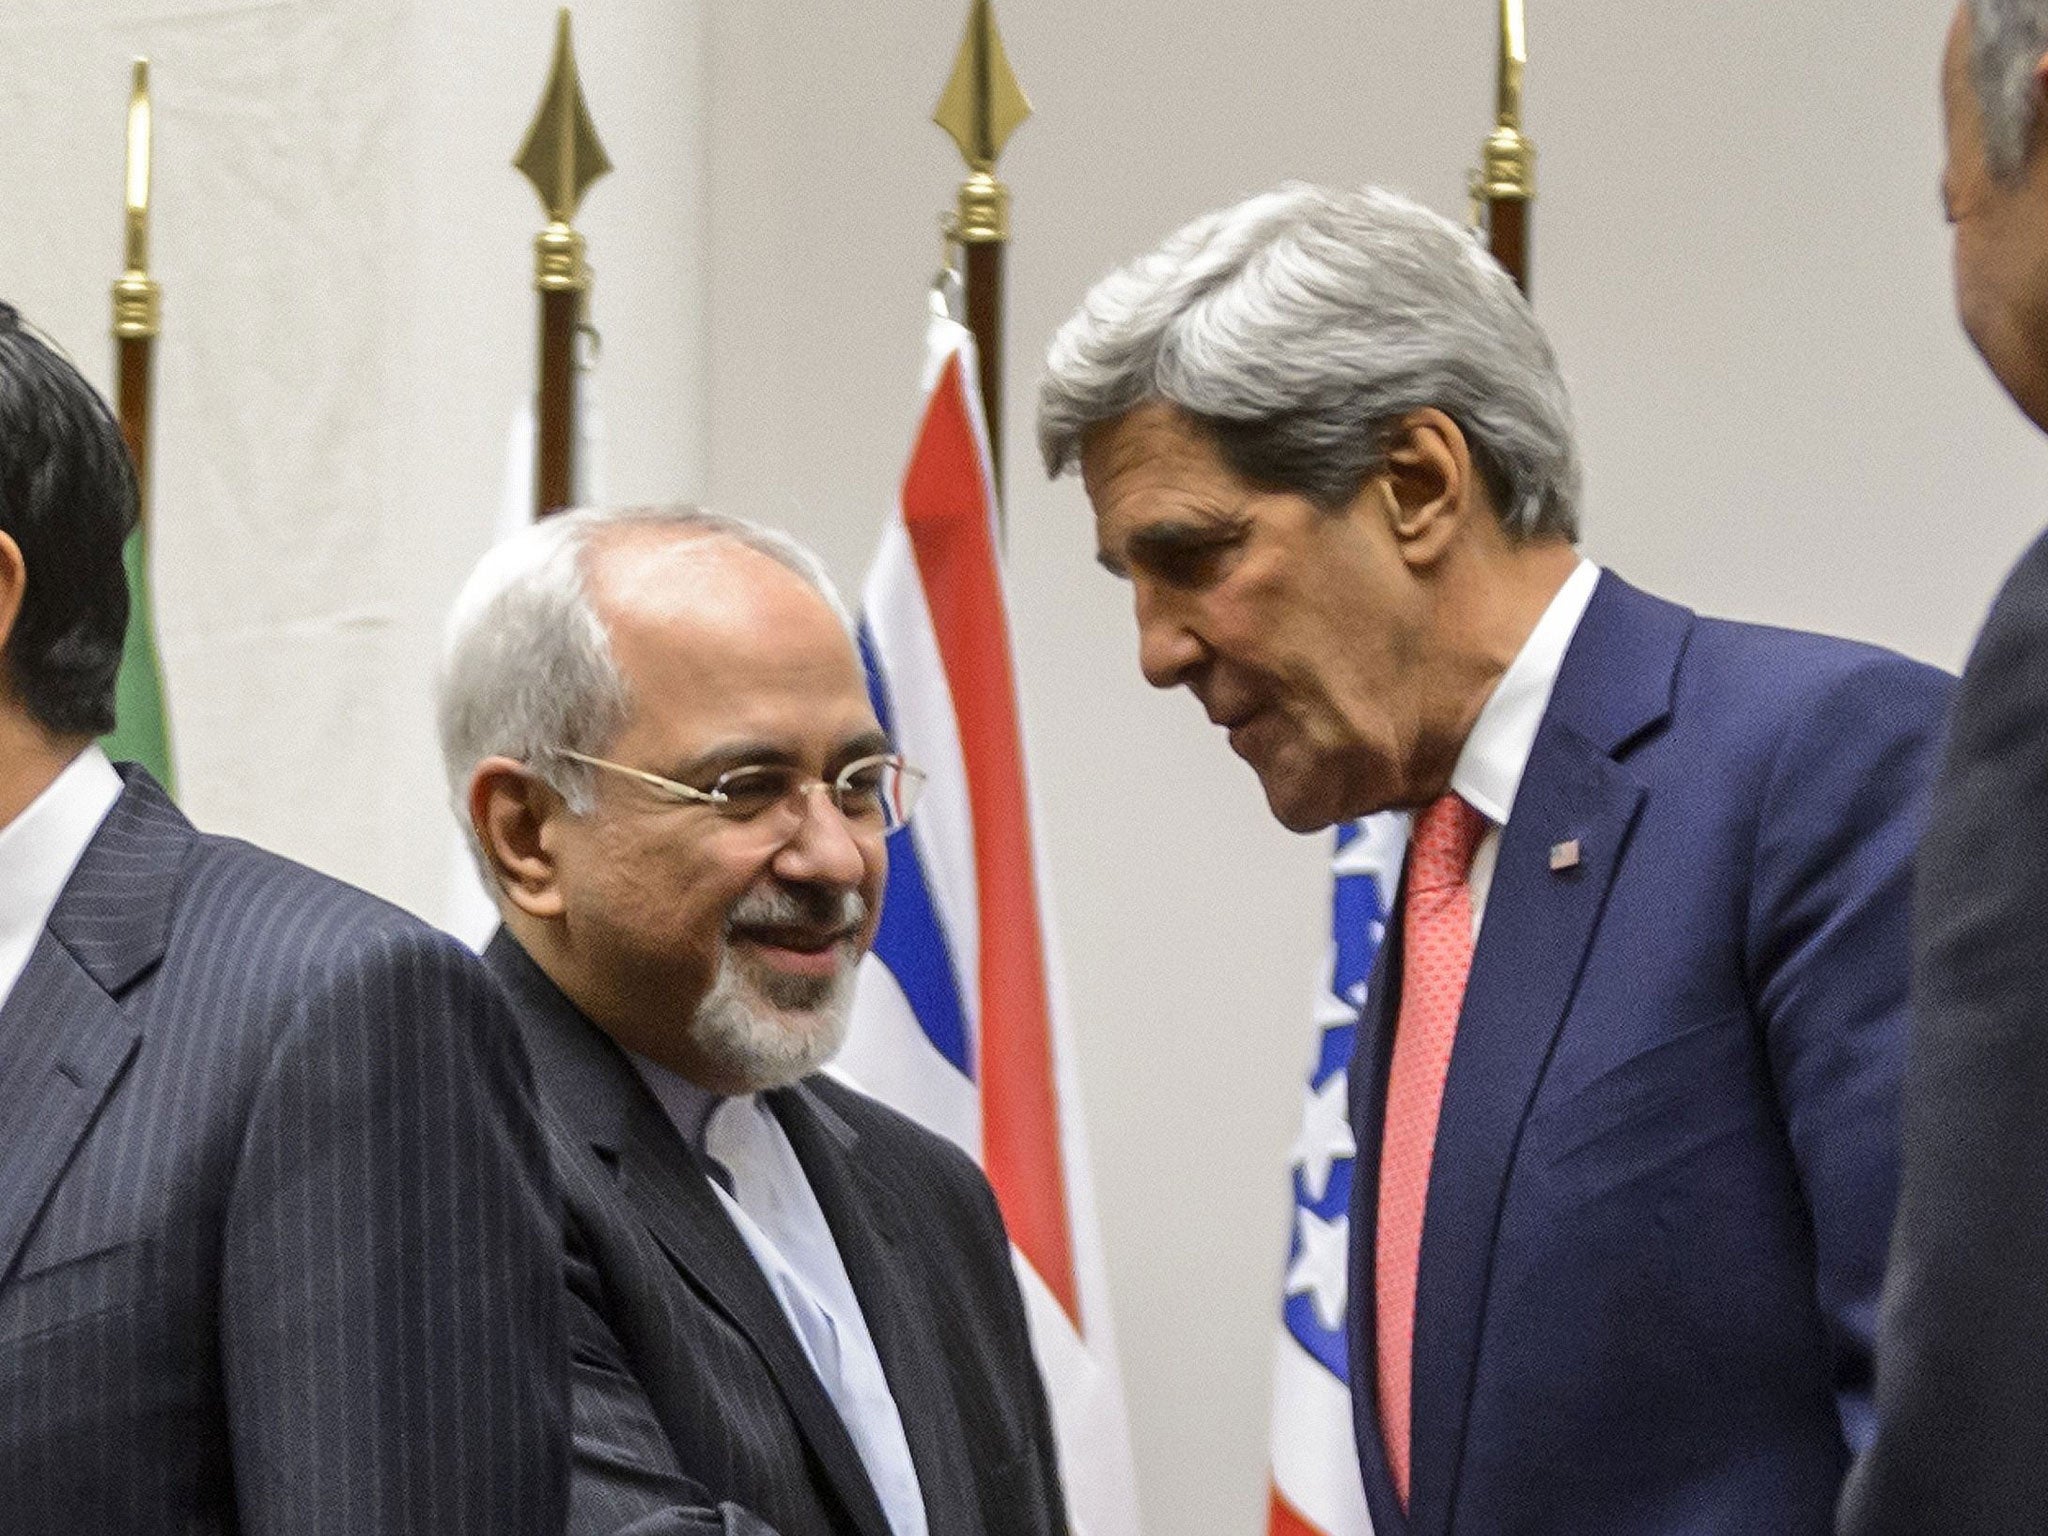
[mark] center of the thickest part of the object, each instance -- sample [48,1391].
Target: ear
[1429,488]
[511,809]
[13,584]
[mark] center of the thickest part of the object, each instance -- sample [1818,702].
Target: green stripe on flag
[141,732]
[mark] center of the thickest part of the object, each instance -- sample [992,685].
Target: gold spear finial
[138,301]
[562,156]
[981,107]
[1508,158]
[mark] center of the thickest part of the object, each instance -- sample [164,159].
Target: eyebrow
[874,743]
[751,754]
[1161,541]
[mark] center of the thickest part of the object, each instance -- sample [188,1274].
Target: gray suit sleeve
[1962,1380]
[392,1335]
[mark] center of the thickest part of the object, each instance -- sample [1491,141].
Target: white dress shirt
[777,1213]
[1496,753]
[40,848]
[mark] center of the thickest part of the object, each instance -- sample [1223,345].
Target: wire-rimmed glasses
[874,793]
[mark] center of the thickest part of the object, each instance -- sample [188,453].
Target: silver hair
[1299,327]
[2007,40]
[526,665]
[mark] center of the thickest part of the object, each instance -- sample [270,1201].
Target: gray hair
[1299,327]
[526,664]
[2007,40]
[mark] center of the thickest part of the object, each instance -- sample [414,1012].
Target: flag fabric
[141,731]
[959,1020]
[1316,1487]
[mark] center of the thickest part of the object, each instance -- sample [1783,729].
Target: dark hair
[67,497]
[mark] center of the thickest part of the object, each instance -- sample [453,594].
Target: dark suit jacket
[274,1213]
[1666,1164]
[1962,1439]
[688,1381]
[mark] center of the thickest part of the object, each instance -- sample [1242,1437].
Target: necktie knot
[1447,834]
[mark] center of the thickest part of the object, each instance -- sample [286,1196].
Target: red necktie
[1436,954]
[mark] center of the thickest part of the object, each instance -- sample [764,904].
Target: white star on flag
[1325,1136]
[1320,1267]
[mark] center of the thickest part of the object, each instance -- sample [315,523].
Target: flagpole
[561,157]
[141,732]
[981,107]
[1505,184]
[138,299]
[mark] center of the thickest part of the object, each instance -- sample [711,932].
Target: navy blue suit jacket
[278,1248]
[1667,1160]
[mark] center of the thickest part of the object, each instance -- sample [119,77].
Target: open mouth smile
[810,952]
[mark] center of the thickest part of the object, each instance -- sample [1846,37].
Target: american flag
[1317,1490]
[958,1020]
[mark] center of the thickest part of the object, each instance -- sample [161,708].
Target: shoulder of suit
[891,1133]
[2015,630]
[233,891]
[1770,666]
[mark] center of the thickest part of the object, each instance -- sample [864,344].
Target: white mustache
[811,908]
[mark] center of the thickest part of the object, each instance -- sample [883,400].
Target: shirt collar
[687,1105]
[1490,765]
[41,846]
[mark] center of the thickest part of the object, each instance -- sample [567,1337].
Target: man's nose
[824,849]
[1168,649]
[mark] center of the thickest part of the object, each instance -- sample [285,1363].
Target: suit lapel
[1524,972]
[1614,686]
[668,1186]
[64,1041]
[63,1045]
[868,1228]
[594,1089]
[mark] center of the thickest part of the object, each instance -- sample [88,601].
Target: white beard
[764,1028]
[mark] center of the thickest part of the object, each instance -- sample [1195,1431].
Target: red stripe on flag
[946,511]
[1283,1519]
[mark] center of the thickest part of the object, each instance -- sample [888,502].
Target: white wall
[346,256]
[1738,253]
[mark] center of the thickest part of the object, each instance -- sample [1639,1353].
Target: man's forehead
[1139,439]
[693,592]
[1153,475]
[718,622]
[654,570]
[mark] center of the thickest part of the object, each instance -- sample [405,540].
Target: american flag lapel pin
[1564,855]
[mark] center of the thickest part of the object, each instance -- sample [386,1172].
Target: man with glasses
[787,1300]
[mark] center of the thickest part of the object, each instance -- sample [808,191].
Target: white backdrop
[1738,252]
[346,256]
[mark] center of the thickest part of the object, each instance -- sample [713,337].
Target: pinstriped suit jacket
[277,1242]
[688,1382]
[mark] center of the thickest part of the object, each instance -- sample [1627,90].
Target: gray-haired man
[1962,1441]
[1626,1082]
[785,1298]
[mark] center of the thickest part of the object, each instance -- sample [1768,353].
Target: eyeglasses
[874,794]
